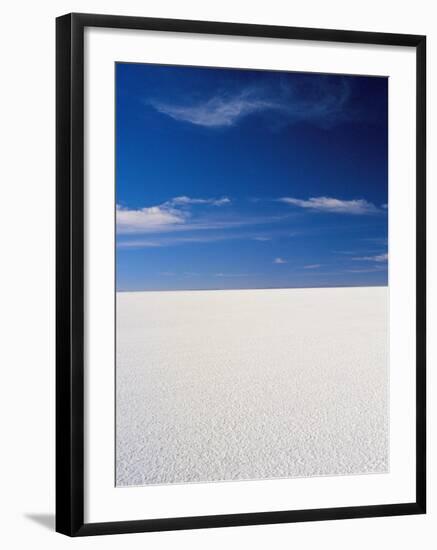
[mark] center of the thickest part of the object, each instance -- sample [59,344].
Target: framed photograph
[240,274]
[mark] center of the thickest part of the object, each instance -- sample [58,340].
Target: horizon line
[254,288]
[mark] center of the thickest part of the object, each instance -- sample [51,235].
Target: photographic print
[240,274]
[251,274]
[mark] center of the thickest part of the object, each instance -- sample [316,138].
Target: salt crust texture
[251,384]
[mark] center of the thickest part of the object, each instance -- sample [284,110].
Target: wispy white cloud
[216,111]
[312,266]
[380,258]
[139,243]
[177,238]
[187,201]
[320,102]
[333,205]
[183,219]
[262,239]
[171,215]
[279,261]
[232,275]
[367,270]
[148,219]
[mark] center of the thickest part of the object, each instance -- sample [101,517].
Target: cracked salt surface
[251,384]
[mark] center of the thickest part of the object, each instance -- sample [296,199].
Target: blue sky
[249,179]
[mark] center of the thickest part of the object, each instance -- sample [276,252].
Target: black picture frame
[70,273]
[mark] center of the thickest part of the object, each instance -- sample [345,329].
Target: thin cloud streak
[158,240]
[377,258]
[262,239]
[187,201]
[184,214]
[332,205]
[215,112]
[321,104]
[233,275]
[180,240]
[369,270]
[168,216]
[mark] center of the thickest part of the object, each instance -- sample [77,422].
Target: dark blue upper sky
[249,179]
